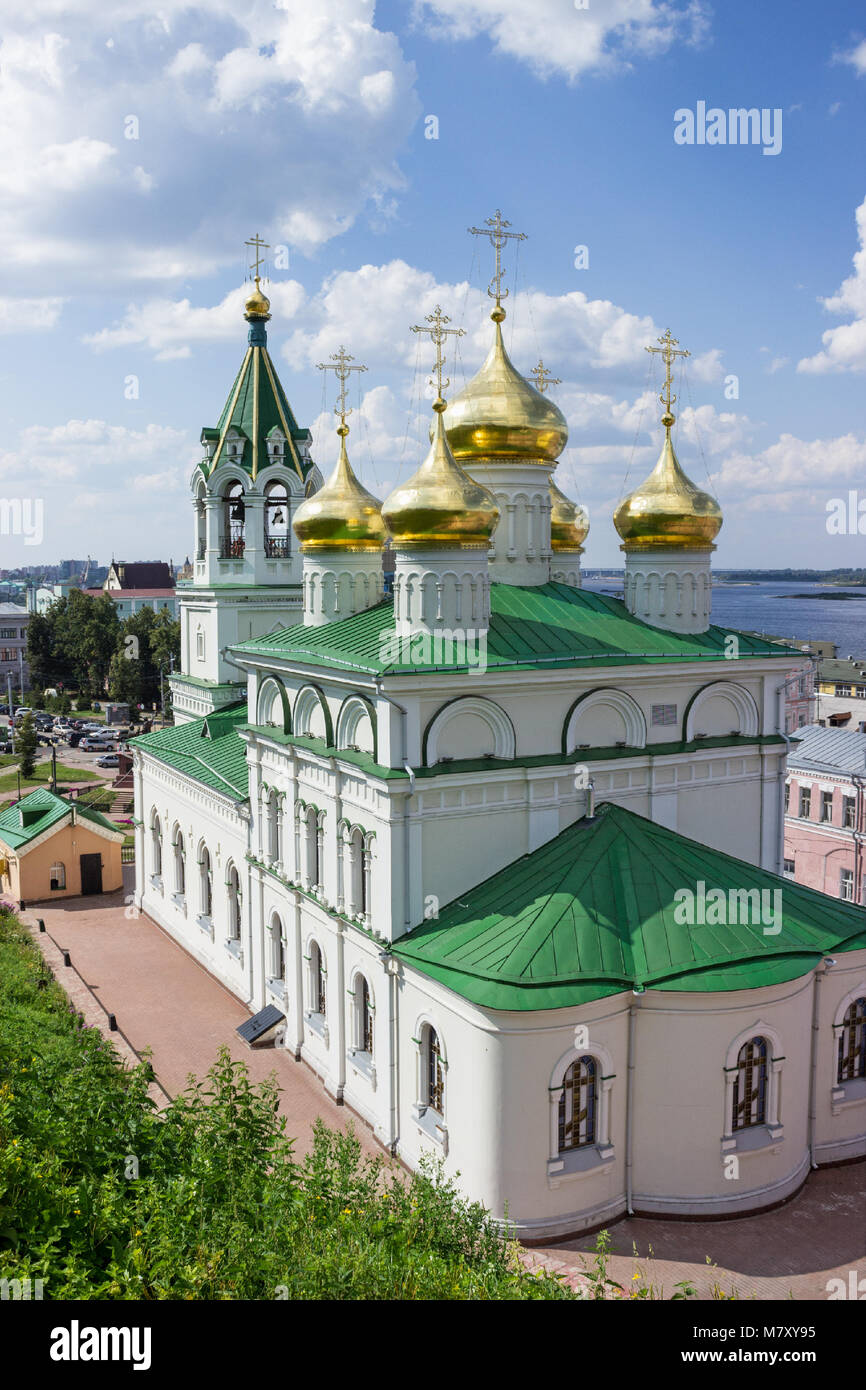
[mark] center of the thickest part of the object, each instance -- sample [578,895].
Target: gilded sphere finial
[668,419]
[342,431]
[439,405]
[498,314]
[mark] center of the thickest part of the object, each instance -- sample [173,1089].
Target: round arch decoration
[491,714]
[743,703]
[606,696]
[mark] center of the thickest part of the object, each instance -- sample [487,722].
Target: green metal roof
[38,812]
[256,405]
[206,750]
[592,913]
[540,627]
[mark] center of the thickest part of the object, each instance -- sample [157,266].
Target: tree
[39,650]
[26,744]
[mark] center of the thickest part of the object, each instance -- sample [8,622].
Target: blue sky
[123,258]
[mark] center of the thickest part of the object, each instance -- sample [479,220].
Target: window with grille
[317,972]
[664,714]
[750,1085]
[365,1017]
[852,1043]
[577,1105]
[805,803]
[843,690]
[435,1073]
[846,885]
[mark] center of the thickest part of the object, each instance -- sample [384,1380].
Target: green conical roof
[595,912]
[257,404]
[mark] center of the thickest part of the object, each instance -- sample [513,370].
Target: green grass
[42,775]
[103,1198]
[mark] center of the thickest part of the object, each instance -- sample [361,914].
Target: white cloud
[294,114]
[168,327]
[29,315]
[556,37]
[845,346]
[856,58]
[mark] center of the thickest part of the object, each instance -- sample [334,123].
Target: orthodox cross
[669,350]
[339,364]
[542,378]
[258,245]
[438,332]
[494,228]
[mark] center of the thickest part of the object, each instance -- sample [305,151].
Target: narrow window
[365,1017]
[827,806]
[317,980]
[179,865]
[852,1043]
[846,885]
[435,1075]
[805,803]
[577,1105]
[750,1085]
[206,883]
[234,896]
[156,846]
[57,877]
[848,810]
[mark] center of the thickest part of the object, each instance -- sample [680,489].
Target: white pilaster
[670,589]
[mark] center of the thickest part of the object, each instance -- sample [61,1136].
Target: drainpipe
[392,969]
[637,993]
[780,729]
[404,714]
[820,970]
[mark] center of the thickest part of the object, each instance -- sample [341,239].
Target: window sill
[179,900]
[754,1139]
[156,881]
[363,1064]
[318,1024]
[848,1093]
[431,1125]
[206,925]
[584,1162]
[277,988]
[234,949]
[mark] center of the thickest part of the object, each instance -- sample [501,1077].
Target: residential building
[841,693]
[825,812]
[13,640]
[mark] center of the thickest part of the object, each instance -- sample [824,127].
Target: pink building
[825,812]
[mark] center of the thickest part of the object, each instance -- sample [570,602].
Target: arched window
[750,1085]
[313,848]
[273,826]
[156,846]
[234,514]
[57,877]
[318,1002]
[205,883]
[577,1105]
[200,528]
[179,863]
[852,1043]
[278,952]
[276,521]
[233,887]
[434,1071]
[363,1016]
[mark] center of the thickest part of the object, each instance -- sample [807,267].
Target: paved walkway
[165,1001]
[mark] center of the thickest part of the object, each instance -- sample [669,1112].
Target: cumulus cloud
[296,114]
[29,315]
[557,37]
[845,346]
[169,327]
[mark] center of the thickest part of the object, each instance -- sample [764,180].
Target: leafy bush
[103,1197]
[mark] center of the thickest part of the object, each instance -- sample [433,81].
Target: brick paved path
[165,1001]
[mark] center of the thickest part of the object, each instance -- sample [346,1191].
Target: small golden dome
[499,414]
[667,511]
[440,505]
[569,522]
[258,305]
[342,515]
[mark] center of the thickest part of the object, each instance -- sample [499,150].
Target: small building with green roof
[54,848]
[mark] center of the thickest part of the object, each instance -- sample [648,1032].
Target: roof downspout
[780,729]
[637,992]
[820,970]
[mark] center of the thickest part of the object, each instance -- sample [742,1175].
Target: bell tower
[255,472]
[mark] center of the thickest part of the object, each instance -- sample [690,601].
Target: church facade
[505,853]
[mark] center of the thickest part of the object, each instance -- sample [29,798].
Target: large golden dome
[440,505]
[569,522]
[667,511]
[499,414]
[342,515]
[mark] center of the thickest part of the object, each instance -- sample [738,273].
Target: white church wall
[840,1124]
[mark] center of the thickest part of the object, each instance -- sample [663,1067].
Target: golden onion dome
[569,522]
[499,414]
[667,511]
[440,505]
[257,306]
[342,515]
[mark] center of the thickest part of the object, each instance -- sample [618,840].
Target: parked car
[92,745]
[22,710]
[7,746]
[108,760]
[4,709]
[74,738]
